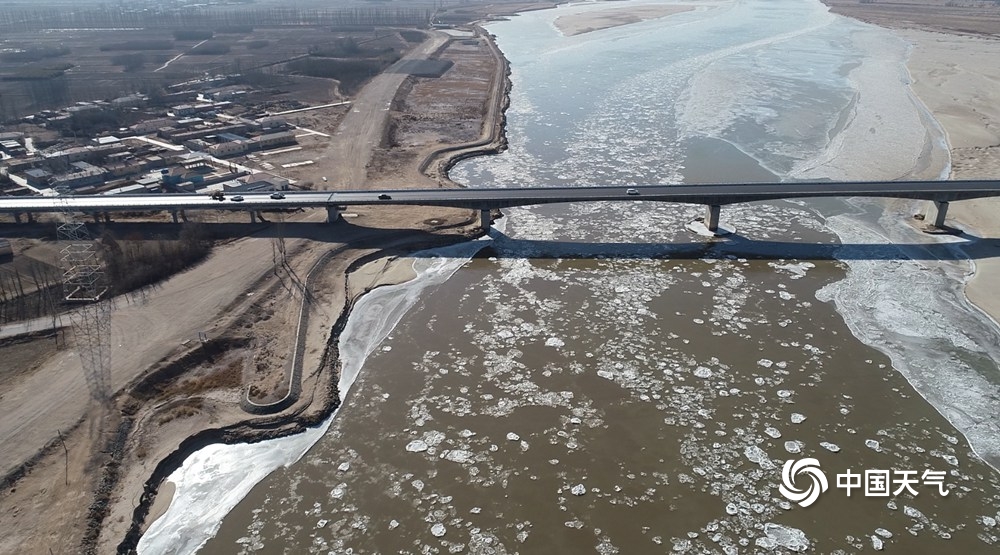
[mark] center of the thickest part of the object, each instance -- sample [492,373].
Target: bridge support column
[485,220]
[173,214]
[941,212]
[31,218]
[17,217]
[184,216]
[97,217]
[332,214]
[253,216]
[107,217]
[712,217]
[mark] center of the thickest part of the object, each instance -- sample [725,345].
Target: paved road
[487,198]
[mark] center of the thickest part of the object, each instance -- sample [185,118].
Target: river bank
[956,76]
[139,443]
[365,271]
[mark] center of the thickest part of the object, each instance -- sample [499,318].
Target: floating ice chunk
[393,524]
[554,342]
[765,363]
[873,445]
[797,418]
[777,535]
[605,374]
[793,447]
[877,544]
[322,523]
[344,466]
[416,446]
[702,372]
[476,510]
[732,509]
[951,459]
[883,532]
[773,432]
[511,436]
[458,455]
[438,530]
[989,521]
[418,485]
[578,489]
[784,393]
[338,491]
[757,455]
[831,447]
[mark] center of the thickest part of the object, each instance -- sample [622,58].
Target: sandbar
[596,20]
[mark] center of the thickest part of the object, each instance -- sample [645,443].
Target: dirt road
[56,396]
[361,129]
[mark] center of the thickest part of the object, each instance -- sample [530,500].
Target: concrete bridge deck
[484,199]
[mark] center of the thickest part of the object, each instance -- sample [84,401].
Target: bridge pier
[712,217]
[17,217]
[173,214]
[253,216]
[941,209]
[485,220]
[332,214]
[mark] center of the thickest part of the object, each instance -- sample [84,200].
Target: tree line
[22,19]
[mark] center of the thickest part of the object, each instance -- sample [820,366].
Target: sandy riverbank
[956,77]
[596,20]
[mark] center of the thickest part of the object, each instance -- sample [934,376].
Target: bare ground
[172,390]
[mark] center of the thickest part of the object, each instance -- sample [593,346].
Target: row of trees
[134,263]
[22,19]
[29,292]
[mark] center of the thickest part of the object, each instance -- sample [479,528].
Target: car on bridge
[277,195]
[384,196]
[238,198]
[632,191]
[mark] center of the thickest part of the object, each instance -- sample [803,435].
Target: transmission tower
[84,285]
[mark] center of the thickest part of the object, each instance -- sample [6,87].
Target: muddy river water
[597,378]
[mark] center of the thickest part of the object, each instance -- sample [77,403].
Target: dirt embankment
[949,16]
[109,466]
[323,396]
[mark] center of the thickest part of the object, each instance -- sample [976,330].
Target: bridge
[714,196]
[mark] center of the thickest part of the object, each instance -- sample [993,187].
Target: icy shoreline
[213,480]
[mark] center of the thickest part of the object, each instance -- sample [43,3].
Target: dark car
[277,196]
[384,196]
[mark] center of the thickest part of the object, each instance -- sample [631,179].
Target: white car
[632,191]
[238,198]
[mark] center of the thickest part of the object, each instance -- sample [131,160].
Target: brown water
[603,380]
[648,382]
